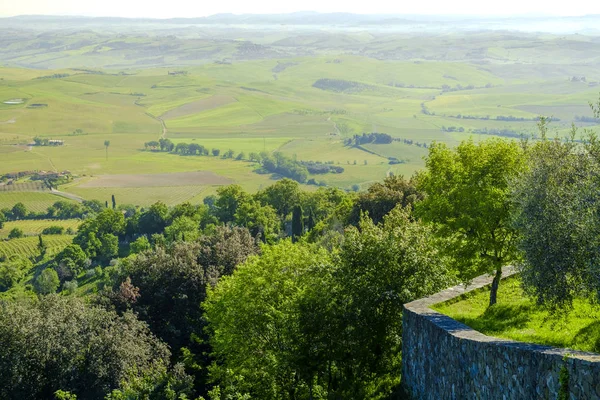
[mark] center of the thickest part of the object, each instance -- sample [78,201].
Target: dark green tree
[154,220]
[15,233]
[42,248]
[228,200]
[297,223]
[19,211]
[381,198]
[106,144]
[61,343]
[114,202]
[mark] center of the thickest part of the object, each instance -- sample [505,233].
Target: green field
[517,317]
[305,106]
[27,246]
[36,226]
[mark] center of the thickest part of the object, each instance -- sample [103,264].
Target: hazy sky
[198,8]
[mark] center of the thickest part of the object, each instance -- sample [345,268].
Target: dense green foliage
[557,215]
[468,200]
[60,343]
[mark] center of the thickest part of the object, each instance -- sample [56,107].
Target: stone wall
[444,359]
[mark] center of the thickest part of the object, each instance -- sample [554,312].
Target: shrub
[53,230]
[16,233]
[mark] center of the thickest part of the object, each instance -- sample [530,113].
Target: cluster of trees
[46,142]
[590,120]
[288,294]
[504,132]
[366,138]
[498,132]
[458,87]
[317,167]
[59,210]
[508,118]
[411,142]
[191,149]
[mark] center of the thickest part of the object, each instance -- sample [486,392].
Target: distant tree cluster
[47,142]
[366,138]
[586,119]
[317,167]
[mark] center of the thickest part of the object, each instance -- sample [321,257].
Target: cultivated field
[27,246]
[34,201]
[35,227]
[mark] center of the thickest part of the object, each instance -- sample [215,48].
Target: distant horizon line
[308,12]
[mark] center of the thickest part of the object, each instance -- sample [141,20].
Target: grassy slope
[517,317]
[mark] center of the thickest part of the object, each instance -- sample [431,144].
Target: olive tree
[557,215]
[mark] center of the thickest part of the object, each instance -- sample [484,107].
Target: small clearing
[157,180]
[198,106]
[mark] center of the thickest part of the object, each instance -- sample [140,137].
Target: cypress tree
[310,224]
[297,223]
[114,202]
[41,246]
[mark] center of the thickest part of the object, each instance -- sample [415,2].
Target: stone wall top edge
[461,331]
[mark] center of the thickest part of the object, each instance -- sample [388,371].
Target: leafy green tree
[141,244]
[557,217]
[106,144]
[93,206]
[381,267]
[13,271]
[47,282]
[468,199]
[2,219]
[282,196]
[253,320]
[154,220]
[260,220]
[225,248]
[182,228]
[297,223]
[241,156]
[19,211]
[109,246]
[381,198]
[228,200]
[15,233]
[60,343]
[98,236]
[74,253]
[216,152]
[171,285]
